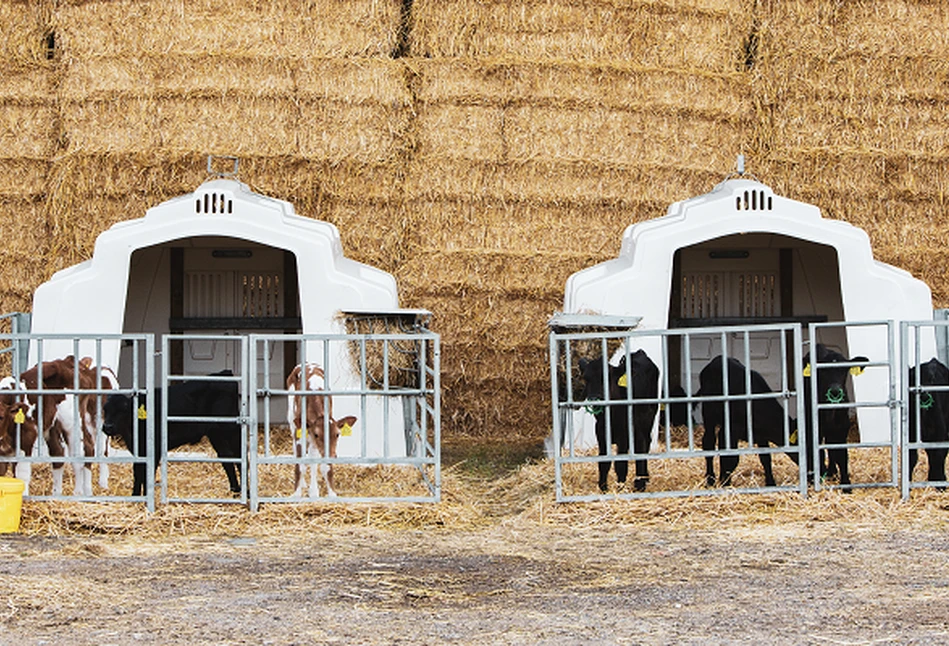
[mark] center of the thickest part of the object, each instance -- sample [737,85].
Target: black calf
[833,423]
[185,399]
[767,418]
[645,385]
[933,425]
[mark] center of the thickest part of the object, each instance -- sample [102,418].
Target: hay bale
[705,34]
[281,29]
[390,358]
[587,183]
[612,84]
[493,225]
[25,30]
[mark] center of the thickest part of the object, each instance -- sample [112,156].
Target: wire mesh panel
[924,437]
[636,390]
[355,419]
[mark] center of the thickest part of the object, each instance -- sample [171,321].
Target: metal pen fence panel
[383,395]
[924,392]
[680,461]
[855,414]
[204,421]
[62,400]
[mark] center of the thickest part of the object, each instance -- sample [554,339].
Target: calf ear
[349,420]
[856,371]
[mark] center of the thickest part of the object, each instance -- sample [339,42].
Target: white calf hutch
[224,263]
[741,256]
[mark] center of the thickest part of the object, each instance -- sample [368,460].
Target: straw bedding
[479,151]
[523,495]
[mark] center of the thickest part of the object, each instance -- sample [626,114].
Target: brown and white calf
[91,407]
[66,424]
[17,433]
[309,430]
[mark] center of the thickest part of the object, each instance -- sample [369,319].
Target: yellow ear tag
[856,371]
[346,430]
[807,370]
[793,437]
[141,412]
[299,433]
[19,418]
[662,407]
[622,381]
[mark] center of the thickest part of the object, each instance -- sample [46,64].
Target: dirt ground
[497,562]
[548,585]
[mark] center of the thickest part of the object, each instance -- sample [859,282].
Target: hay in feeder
[388,358]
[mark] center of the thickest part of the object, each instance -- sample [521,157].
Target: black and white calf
[768,418]
[641,381]
[197,398]
[932,424]
[833,424]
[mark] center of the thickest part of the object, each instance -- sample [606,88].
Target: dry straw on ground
[522,498]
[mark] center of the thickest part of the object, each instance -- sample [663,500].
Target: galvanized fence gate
[388,382]
[862,422]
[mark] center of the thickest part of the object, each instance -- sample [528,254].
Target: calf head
[832,380]
[15,422]
[118,418]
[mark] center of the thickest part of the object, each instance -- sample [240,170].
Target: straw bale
[560,182]
[575,84]
[514,273]
[877,28]
[27,129]
[22,254]
[492,319]
[703,34]
[495,407]
[492,226]
[287,28]
[25,25]
[856,123]
[353,80]
[26,83]
[22,179]
[529,133]
[889,175]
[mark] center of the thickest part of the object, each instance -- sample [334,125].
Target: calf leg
[708,444]
[937,465]
[839,458]
[641,441]
[603,466]
[768,473]
[726,464]
[621,438]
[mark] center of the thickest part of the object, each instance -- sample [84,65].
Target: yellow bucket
[11,502]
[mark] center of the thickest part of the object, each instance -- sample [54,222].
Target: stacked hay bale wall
[855,113]
[544,129]
[27,147]
[482,151]
[305,94]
